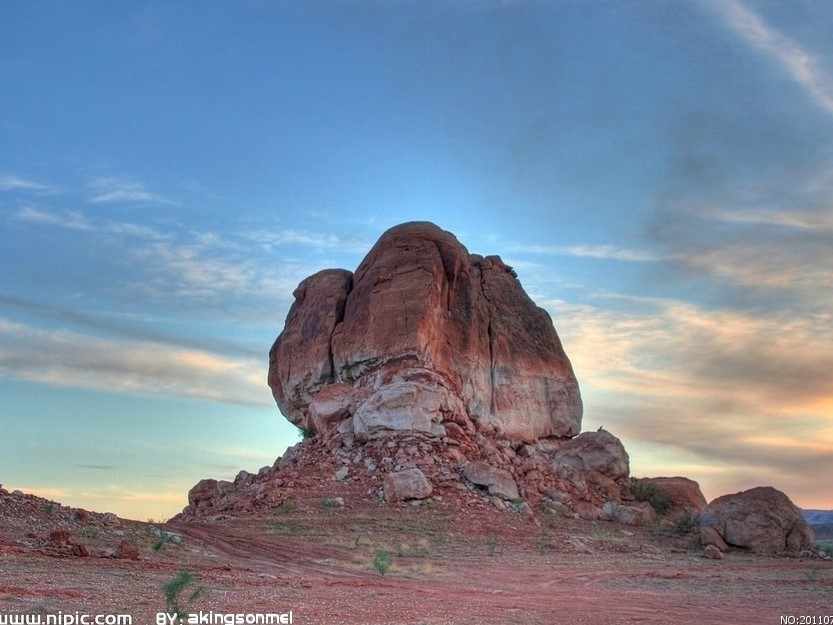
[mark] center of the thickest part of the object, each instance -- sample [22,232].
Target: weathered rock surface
[407,484]
[600,452]
[422,334]
[684,495]
[637,514]
[762,520]
[499,482]
[712,552]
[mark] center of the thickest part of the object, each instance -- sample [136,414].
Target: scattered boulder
[710,536]
[684,495]
[127,551]
[638,514]
[762,520]
[712,552]
[61,538]
[405,485]
[499,482]
[600,452]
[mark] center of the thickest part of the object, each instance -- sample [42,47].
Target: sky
[658,172]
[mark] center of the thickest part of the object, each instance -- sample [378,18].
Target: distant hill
[820,521]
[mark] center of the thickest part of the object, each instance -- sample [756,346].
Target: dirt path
[448,568]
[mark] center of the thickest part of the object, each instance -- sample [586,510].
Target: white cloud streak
[815,221]
[13,182]
[75,220]
[117,190]
[799,64]
[601,252]
[69,359]
[271,239]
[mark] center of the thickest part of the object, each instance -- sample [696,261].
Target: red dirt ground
[450,565]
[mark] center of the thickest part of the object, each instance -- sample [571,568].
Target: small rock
[81,550]
[712,553]
[111,519]
[127,551]
[499,481]
[408,484]
[341,474]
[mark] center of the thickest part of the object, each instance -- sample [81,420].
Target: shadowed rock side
[422,335]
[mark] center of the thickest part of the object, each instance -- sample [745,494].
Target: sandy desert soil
[449,566]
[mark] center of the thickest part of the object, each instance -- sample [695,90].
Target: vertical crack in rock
[490,334]
[339,318]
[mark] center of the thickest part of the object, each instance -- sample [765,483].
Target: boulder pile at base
[430,374]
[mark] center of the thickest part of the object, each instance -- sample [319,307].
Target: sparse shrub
[382,559]
[167,538]
[49,508]
[686,523]
[813,575]
[651,493]
[419,549]
[287,505]
[173,593]
[305,433]
[492,544]
[285,527]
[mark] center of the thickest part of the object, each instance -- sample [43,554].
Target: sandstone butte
[429,372]
[423,334]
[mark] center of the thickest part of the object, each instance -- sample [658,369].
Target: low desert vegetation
[651,493]
[180,592]
[382,559]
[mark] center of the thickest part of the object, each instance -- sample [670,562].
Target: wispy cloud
[76,220]
[139,328]
[271,239]
[70,359]
[118,190]
[719,387]
[602,252]
[13,182]
[798,63]
[815,221]
[71,220]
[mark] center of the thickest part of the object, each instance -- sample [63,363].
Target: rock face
[600,452]
[761,519]
[684,495]
[423,334]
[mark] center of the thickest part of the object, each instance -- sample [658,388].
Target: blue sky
[659,173]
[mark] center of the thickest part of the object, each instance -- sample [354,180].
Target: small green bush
[382,560]
[686,523]
[653,494]
[174,589]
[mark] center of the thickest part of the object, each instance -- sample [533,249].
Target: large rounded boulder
[762,520]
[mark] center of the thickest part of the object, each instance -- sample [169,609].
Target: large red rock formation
[423,335]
